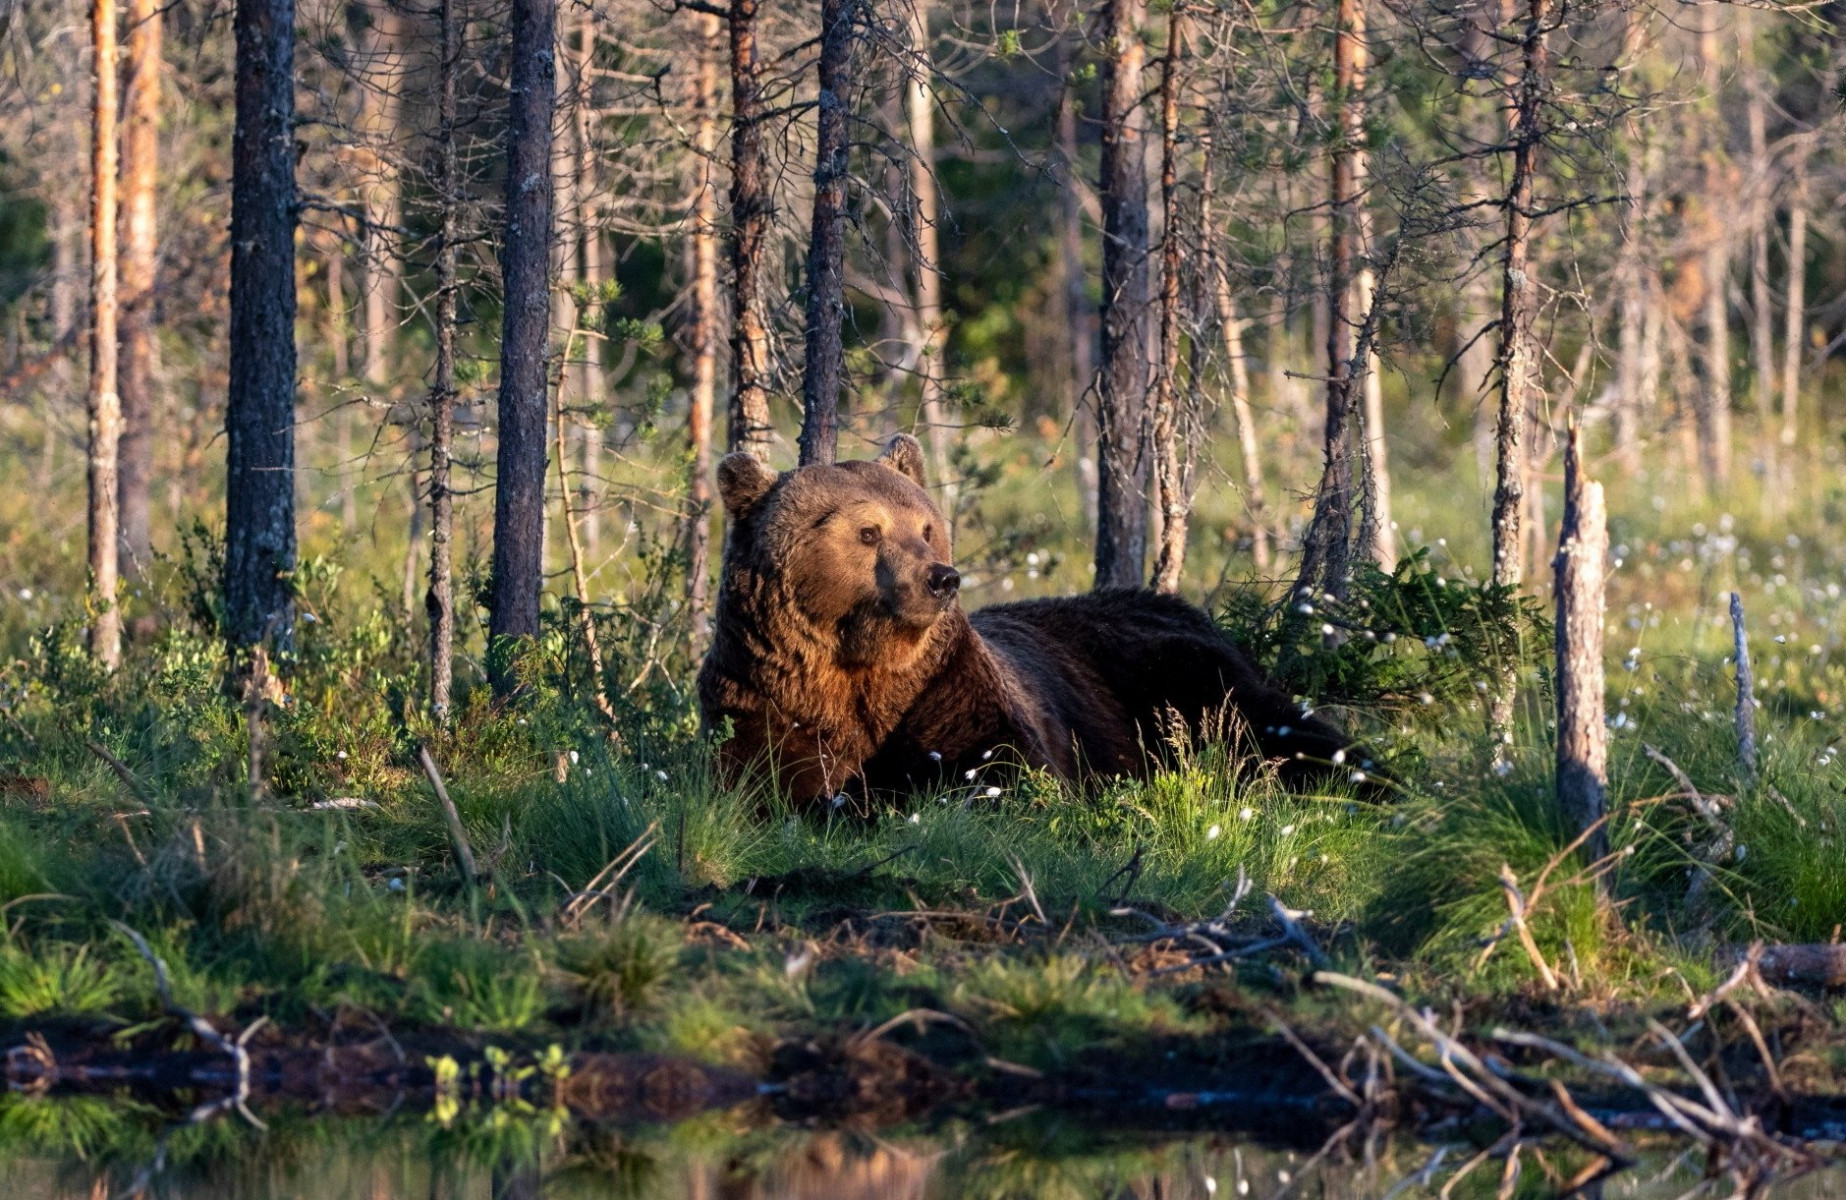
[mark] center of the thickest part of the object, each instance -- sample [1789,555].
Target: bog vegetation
[400,485]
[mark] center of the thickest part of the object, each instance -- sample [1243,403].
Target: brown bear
[844,661]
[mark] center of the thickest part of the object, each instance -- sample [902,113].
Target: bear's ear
[743,480]
[904,454]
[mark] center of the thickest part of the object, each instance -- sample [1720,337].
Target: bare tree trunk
[1121,526]
[66,230]
[752,209]
[1715,399]
[525,256]
[1794,328]
[1171,460]
[706,334]
[920,114]
[1714,411]
[1380,535]
[346,471]
[1630,400]
[439,600]
[259,526]
[1583,749]
[413,536]
[105,406]
[589,247]
[140,165]
[824,373]
[1518,358]
[383,205]
[1078,319]
[1231,325]
[1762,216]
[1327,547]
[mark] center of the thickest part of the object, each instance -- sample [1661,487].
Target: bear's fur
[843,660]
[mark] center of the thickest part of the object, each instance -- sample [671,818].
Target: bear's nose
[943,580]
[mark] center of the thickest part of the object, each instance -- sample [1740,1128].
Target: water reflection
[88,1149]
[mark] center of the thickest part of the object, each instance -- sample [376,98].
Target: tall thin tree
[385,80]
[259,526]
[752,213]
[439,600]
[1794,327]
[1171,466]
[1327,547]
[140,174]
[1518,357]
[105,406]
[707,331]
[1121,518]
[824,372]
[525,257]
[926,220]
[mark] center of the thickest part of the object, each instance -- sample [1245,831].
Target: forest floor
[1185,948]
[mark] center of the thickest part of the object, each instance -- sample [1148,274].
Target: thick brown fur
[844,661]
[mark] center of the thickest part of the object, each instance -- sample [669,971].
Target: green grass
[744,922]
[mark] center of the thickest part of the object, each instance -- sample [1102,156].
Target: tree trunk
[66,231]
[1327,547]
[140,162]
[1379,532]
[345,470]
[1518,358]
[752,210]
[1762,216]
[383,205]
[259,526]
[589,248]
[1078,320]
[920,114]
[705,335]
[1121,525]
[1231,326]
[1631,278]
[1794,328]
[1715,398]
[824,373]
[1583,747]
[525,256]
[1714,410]
[1171,463]
[439,600]
[105,406]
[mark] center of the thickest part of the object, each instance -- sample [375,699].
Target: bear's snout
[943,581]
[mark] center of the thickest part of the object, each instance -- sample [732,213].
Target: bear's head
[857,550]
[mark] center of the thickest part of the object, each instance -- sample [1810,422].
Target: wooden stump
[1583,748]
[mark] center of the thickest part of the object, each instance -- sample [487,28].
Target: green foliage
[54,978]
[477,985]
[1417,636]
[618,971]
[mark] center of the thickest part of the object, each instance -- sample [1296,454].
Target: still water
[89,1149]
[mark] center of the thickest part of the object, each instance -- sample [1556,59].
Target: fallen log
[1820,964]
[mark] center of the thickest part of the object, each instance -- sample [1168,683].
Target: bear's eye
[869,535]
[928,532]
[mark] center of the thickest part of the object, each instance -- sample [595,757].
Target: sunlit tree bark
[752,210]
[140,173]
[104,405]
